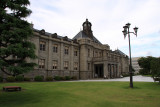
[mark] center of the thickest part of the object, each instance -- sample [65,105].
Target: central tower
[87,29]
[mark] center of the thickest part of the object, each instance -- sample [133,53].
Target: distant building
[135,64]
[84,56]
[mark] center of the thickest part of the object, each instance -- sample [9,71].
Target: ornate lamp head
[128,25]
[124,33]
[135,30]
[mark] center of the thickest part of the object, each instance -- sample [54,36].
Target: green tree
[145,64]
[155,68]
[15,32]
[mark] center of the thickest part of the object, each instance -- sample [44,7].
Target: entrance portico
[112,70]
[98,71]
[105,70]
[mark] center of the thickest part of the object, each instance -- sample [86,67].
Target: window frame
[75,65]
[42,46]
[55,65]
[66,65]
[55,48]
[41,63]
[75,52]
[66,50]
[88,52]
[88,66]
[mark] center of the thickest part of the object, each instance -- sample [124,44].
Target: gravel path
[135,78]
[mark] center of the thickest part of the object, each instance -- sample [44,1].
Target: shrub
[57,78]
[49,78]
[125,74]
[144,72]
[74,78]
[67,77]
[19,78]
[38,78]
[1,79]
[10,79]
[63,78]
[26,79]
[156,78]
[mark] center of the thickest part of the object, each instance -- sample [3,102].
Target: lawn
[81,94]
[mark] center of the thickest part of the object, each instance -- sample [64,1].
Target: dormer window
[42,32]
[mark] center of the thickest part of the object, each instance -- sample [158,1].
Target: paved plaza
[139,78]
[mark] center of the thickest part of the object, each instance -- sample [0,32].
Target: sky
[65,17]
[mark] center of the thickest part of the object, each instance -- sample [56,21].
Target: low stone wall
[86,75]
[51,73]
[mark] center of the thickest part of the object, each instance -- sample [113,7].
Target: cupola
[87,28]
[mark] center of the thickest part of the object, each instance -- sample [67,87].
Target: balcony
[98,59]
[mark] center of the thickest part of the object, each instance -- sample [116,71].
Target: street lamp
[125,32]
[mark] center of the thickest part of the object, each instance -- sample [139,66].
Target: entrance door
[98,71]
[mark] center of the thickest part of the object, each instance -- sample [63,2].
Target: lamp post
[125,32]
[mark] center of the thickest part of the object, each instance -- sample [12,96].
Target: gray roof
[120,52]
[81,34]
[50,34]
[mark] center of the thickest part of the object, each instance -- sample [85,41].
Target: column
[116,70]
[112,66]
[71,56]
[61,55]
[105,69]
[109,70]
[49,57]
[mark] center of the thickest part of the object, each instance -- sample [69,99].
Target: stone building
[83,56]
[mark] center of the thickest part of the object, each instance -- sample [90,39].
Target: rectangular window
[55,64]
[107,54]
[55,48]
[96,55]
[88,52]
[111,57]
[93,54]
[88,66]
[66,50]
[66,63]
[116,58]
[42,46]
[75,52]
[41,63]
[100,54]
[75,65]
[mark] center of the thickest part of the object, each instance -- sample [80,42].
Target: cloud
[108,17]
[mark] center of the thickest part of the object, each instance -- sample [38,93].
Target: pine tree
[15,32]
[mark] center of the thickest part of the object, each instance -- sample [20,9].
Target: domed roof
[87,22]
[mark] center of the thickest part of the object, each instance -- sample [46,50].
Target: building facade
[135,64]
[83,56]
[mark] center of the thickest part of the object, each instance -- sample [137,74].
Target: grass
[81,94]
